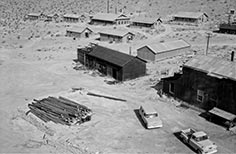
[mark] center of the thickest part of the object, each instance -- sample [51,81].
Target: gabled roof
[213,66]
[108,16]
[144,20]
[71,16]
[116,32]
[193,15]
[167,46]
[35,14]
[111,56]
[78,29]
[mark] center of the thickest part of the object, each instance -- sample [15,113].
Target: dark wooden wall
[134,68]
[217,92]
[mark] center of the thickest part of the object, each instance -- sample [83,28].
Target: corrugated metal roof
[111,56]
[71,16]
[144,20]
[115,32]
[107,16]
[223,114]
[213,66]
[193,15]
[167,46]
[78,29]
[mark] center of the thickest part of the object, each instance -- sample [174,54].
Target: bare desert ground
[36,61]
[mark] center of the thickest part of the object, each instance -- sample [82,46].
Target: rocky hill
[12,11]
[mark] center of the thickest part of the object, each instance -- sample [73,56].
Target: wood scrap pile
[60,110]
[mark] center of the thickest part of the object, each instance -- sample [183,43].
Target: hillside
[12,11]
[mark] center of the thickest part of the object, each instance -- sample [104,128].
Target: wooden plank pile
[60,110]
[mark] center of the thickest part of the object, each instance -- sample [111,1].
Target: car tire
[199,151]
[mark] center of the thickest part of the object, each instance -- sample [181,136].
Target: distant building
[52,17]
[205,82]
[79,32]
[117,36]
[190,17]
[71,18]
[230,27]
[145,22]
[109,19]
[112,63]
[35,16]
[163,50]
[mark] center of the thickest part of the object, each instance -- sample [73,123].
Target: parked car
[199,141]
[150,117]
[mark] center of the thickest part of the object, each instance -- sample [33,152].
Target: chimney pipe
[232,56]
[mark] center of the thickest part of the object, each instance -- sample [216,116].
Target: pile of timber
[60,110]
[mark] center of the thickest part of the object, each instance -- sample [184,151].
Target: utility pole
[209,35]
[107,6]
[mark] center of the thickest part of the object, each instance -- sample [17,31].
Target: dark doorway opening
[114,73]
[87,35]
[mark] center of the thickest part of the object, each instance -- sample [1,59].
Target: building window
[200,96]
[171,88]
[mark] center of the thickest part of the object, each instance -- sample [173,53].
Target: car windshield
[151,115]
[198,139]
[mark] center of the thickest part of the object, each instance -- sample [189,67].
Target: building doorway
[86,34]
[114,73]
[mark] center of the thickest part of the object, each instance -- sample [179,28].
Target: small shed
[163,50]
[229,118]
[71,18]
[79,32]
[34,16]
[145,22]
[113,63]
[110,19]
[190,17]
[116,36]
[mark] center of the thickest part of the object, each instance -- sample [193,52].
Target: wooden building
[190,17]
[142,22]
[79,32]
[71,18]
[35,16]
[227,28]
[205,82]
[113,63]
[52,17]
[116,36]
[109,19]
[162,50]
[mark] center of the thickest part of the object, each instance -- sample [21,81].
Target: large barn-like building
[113,63]
[142,22]
[162,50]
[205,82]
[110,19]
[116,36]
[190,17]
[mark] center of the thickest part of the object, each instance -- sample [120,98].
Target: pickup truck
[198,140]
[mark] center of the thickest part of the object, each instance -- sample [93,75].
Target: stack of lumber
[60,110]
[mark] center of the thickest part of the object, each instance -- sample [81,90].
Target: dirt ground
[37,61]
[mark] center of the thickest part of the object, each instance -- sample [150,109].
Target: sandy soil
[37,61]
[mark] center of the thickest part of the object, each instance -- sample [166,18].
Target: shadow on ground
[177,135]
[136,111]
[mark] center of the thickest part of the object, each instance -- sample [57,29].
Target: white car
[150,117]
